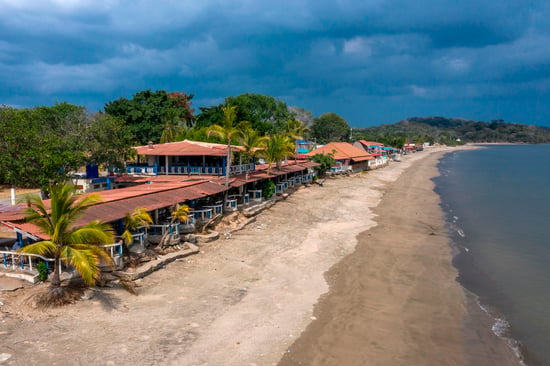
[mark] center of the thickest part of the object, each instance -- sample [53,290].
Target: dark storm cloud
[370,61]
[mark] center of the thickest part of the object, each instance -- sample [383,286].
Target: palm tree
[251,141]
[172,126]
[276,148]
[67,243]
[295,129]
[225,132]
[179,213]
[132,221]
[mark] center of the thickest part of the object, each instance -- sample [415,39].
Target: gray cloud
[370,61]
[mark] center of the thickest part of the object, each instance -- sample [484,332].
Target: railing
[139,170]
[340,169]
[202,215]
[291,182]
[238,169]
[241,198]
[162,229]
[279,188]
[256,194]
[26,262]
[230,205]
[298,179]
[114,250]
[18,261]
[185,169]
[217,209]
[307,178]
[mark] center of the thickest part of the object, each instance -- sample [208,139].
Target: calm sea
[497,202]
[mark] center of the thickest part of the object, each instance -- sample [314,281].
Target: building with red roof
[347,156]
[185,158]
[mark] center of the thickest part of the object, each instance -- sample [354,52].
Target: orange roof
[186,148]
[342,151]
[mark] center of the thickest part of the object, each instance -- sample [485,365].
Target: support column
[13,196]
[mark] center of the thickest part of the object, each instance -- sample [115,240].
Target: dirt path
[242,301]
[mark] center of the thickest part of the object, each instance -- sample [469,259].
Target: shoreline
[437,322]
[241,301]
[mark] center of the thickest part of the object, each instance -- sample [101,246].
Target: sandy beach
[264,296]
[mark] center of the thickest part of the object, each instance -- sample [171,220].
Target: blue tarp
[383,148]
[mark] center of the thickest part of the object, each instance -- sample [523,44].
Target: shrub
[326,162]
[268,189]
[42,271]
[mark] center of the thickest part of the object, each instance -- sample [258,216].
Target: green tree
[209,116]
[276,148]
[134,220]
[42,145]
[266,114]
[109,142]
[145,112]
[172,128]
[326,161]
[179,213]
[76,246]
[251,142]
[330,127]
[225,132]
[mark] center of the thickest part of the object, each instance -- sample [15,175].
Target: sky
[370,61]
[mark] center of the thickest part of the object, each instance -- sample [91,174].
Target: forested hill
[446,130]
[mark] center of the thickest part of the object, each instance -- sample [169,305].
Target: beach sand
[395,301]
[393,297]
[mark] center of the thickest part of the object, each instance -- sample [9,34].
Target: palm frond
[138,217]
[217,131]
[45,248]
[95,232]
[84,260]
[127,237]
[180,212]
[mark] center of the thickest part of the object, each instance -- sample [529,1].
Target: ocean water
[497,204]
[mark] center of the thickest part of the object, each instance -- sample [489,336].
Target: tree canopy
[146,112]
[265,114]
[330,127]
[43,145]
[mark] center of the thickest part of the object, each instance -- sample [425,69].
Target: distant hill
[449,130]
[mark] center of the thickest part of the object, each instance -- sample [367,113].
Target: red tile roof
[342,151]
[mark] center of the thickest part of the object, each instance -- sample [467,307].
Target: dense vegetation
[44,145]
[452,131]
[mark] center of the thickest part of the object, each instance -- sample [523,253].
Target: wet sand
[395,301]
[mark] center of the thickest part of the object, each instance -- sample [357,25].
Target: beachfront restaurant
[185,158]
